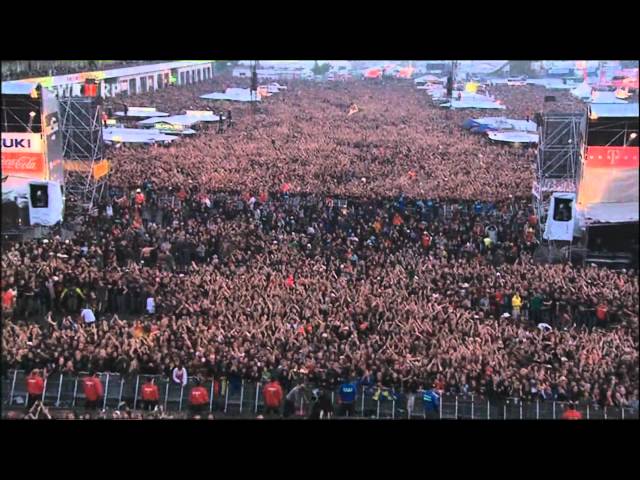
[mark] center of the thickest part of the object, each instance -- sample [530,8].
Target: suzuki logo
[16,143]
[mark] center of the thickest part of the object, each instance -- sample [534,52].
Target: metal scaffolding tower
[561,129]
[83,149]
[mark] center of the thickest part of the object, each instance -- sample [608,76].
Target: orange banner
[100,169]
[24,164]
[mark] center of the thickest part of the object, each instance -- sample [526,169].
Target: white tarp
[186,120]
[608,110]
[135,135]
[142,112]
[557,228]
[550,83]
[504,123]
[232,95]
[605,97]
[513,137]
[609,212]
[473,103]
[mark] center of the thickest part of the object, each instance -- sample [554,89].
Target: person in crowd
[149,394]
[198,398]
[403,276]
[272,393]
[179,376]
[93,391]
[35,388]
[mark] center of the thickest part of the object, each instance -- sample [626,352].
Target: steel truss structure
[558,160]
[83,149]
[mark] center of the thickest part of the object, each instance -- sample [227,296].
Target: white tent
[232,95]
[142,112]
[191,117]
[473,103]
[513,137]
[605,97]
[135,135]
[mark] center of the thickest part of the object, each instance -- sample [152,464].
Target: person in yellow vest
[516,304]
[487,243]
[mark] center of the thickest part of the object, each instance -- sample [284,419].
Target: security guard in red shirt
[150,394]
[35,387]
[273,395]
[571,413]
[198,398]
[93,391]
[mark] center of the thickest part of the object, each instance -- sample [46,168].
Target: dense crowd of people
[389,246]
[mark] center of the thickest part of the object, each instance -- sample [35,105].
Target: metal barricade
[113,394]
[64,390]
[464,407]
[366,406]
[248,398]
[234,396]
[131,390]
[512,409]
[19,394]
[596,413]
[548,410]
[480,408]
[51,388]
[67,390]
[8,385]
[172,395]
[449,407]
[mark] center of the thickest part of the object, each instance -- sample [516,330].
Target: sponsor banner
[100,169]
[22,155]
[612,157]
[168,127]
[77,166]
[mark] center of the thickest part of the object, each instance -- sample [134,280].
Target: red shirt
[35,385]
[199,396]
[272,394]
[7,299]
[601,312]
[92,387]
[426,241]
[572,415]
[263,197]
[140,198]
[150,392]
[290,282]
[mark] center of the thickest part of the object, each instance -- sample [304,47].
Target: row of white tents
[162,127]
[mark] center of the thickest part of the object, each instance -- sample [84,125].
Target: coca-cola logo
[22,164]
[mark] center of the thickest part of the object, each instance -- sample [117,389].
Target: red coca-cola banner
[612,157]
[23,164]
[23,155]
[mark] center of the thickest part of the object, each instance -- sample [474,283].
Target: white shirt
[151,305]
[177,374]
[87,315]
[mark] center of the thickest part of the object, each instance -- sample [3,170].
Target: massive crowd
[389,246]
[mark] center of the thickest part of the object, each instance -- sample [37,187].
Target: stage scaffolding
[83,149]
[560,150]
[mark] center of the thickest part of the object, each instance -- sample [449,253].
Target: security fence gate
[242,398]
